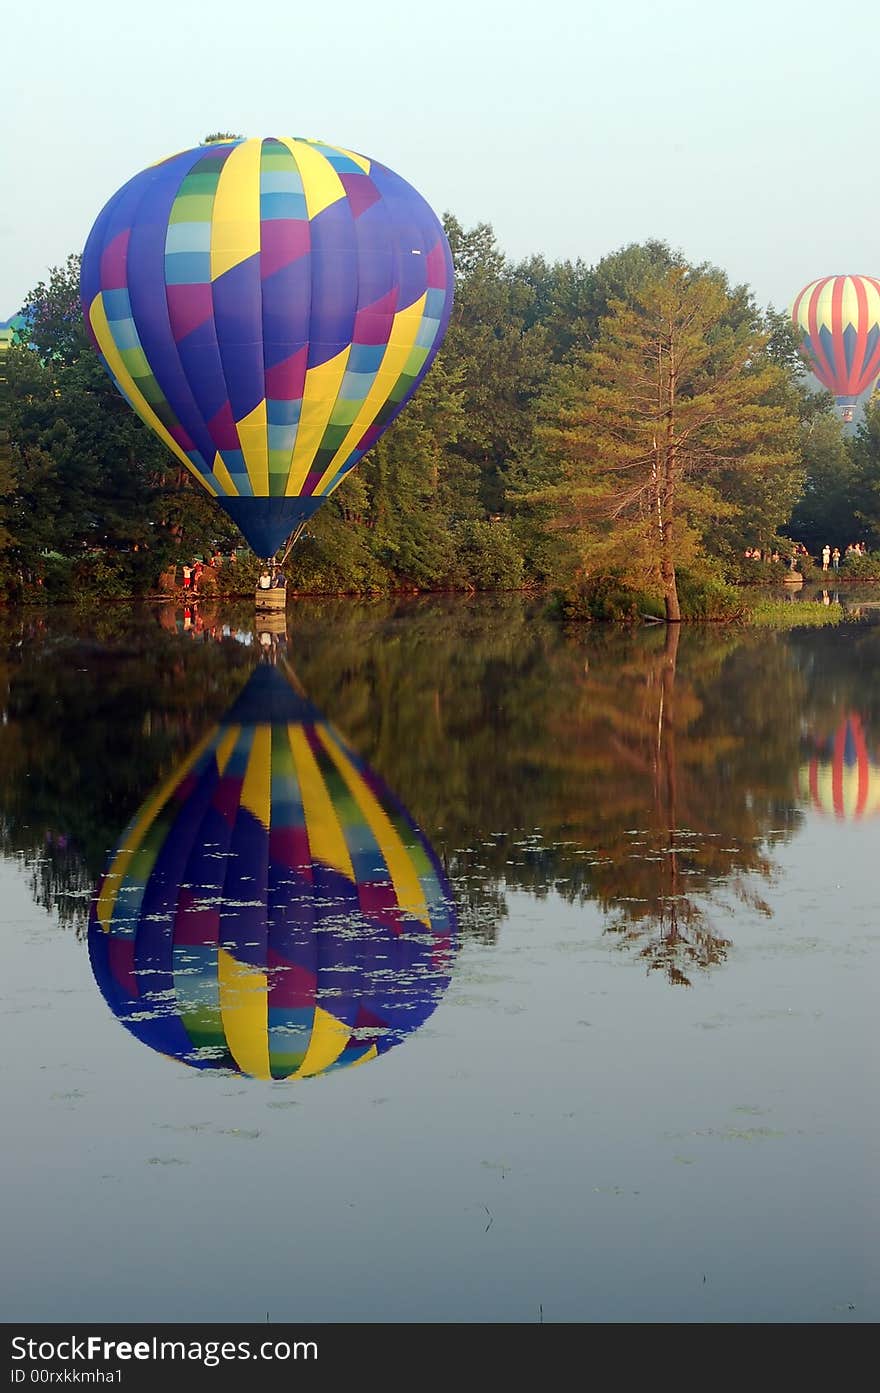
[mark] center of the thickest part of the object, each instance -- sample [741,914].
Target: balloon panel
[267,307]
[842,779]
[272,908]
[9,331]
[840,320]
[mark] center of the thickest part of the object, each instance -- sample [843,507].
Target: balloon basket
[271,601]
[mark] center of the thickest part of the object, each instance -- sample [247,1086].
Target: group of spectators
[270,578]
[757,554]
[831,557]
[194,570]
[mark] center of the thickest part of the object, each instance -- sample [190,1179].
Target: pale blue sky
[739,133]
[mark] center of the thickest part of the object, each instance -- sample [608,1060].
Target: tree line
[626,429]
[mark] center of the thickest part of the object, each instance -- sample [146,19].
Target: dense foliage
[530,456]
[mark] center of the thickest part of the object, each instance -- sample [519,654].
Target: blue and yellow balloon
[267,307]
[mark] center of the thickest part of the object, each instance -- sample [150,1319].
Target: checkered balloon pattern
[267,307]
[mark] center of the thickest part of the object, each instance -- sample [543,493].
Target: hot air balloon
[267,307]
[842,778]
[272,909]
[839,317]
[10,330]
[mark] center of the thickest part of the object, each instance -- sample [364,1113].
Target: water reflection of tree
[691,741]
[649,773]
[679,934]
[645,770]
[95,709]
[838,667]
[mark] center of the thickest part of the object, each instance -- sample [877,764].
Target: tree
[864,448]
[7,475]
[561,298]
[622,274]
[502,356]
[53,320]
[823,509]
[87,476]
[678,392]
[825,512]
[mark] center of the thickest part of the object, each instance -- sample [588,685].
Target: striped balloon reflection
[842,777]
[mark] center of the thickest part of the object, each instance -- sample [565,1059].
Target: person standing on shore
[826,556]
[835,558]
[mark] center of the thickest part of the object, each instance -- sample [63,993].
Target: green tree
[826,510]
[87,478]
[623,274]
[54,324]
[864,448]
[7,475]
[823,509]
[561,298]
[503,355]
[646,428]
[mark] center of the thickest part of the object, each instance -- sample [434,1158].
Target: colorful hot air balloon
[839,317]
[10,330]
[267,307]
[842,779]
[272,909]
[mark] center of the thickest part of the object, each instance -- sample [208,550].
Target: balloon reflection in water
[842,779]
[272,908]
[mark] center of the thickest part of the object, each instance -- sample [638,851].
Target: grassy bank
[793,614]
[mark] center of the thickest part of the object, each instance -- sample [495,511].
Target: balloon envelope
[839,317]
[272,909]
[267,307]
[10,332]
[842,779]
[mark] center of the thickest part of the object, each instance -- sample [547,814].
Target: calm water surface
[424,962]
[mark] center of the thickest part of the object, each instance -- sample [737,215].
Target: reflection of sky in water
[565,1133]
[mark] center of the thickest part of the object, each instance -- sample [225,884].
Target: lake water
[422,961]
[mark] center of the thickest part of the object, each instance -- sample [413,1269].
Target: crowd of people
[192,571]
[759,554]
[830,557]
